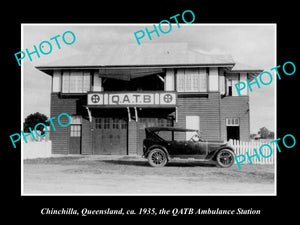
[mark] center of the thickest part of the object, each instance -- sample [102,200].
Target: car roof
[153,129]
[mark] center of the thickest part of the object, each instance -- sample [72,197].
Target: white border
[142,24]
[22,112]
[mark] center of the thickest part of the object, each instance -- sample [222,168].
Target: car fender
[160,147]
[223,147]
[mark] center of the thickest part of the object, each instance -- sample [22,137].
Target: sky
[251,44]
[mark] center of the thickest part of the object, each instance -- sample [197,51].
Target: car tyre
[157,158]
[225,158]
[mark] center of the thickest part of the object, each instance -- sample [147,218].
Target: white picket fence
[241,147]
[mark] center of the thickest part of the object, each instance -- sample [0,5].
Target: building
[113,92]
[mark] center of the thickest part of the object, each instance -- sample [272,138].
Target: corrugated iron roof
[130,55]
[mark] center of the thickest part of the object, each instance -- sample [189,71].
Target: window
[232,83]
[109,123]
[98,123]
[123,124]
[192,80]
[75,126]
[169,123]
[115,124]
[106,123]
[76,82]
[75,130]
[166,135]
[232,121]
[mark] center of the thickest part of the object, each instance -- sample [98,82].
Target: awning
[128,74]
[129,111]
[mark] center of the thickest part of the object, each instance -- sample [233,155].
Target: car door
[180,146]
[191,148]
[201,148]
[175,147]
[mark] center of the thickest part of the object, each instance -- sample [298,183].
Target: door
[233,132]
[192,122]
[110,136]
[233,128]
[75,139]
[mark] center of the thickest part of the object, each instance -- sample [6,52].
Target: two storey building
[113,92]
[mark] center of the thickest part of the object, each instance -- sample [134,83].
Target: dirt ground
[118,175]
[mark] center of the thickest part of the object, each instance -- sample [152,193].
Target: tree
[264,133]
[271,135]
[34,119]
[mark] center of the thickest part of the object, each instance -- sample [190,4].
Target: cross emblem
[95,98]
[168,98]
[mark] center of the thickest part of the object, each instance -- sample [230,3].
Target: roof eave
[247,71]
[51,68]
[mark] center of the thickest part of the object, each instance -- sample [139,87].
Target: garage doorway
[110,136]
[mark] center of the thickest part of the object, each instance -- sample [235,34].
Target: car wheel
[157,158]
[225,158]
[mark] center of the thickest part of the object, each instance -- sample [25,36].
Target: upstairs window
[76,82]
[233,82]
[192,80]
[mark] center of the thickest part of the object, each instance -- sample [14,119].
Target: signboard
[132,99]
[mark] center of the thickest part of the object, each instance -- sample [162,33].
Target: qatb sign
[132,99]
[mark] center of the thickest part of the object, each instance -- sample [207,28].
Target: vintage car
[164,143]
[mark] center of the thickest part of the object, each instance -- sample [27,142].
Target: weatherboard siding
[235,106]
[212,108]
[207,107]
[87,137]
[60,137]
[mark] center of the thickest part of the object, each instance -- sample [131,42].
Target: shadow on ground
[170,164]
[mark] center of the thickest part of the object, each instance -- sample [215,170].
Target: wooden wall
[207,107]
[235,106]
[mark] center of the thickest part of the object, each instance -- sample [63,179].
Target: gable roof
[146,55]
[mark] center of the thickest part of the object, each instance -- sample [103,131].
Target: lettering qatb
[131,99]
